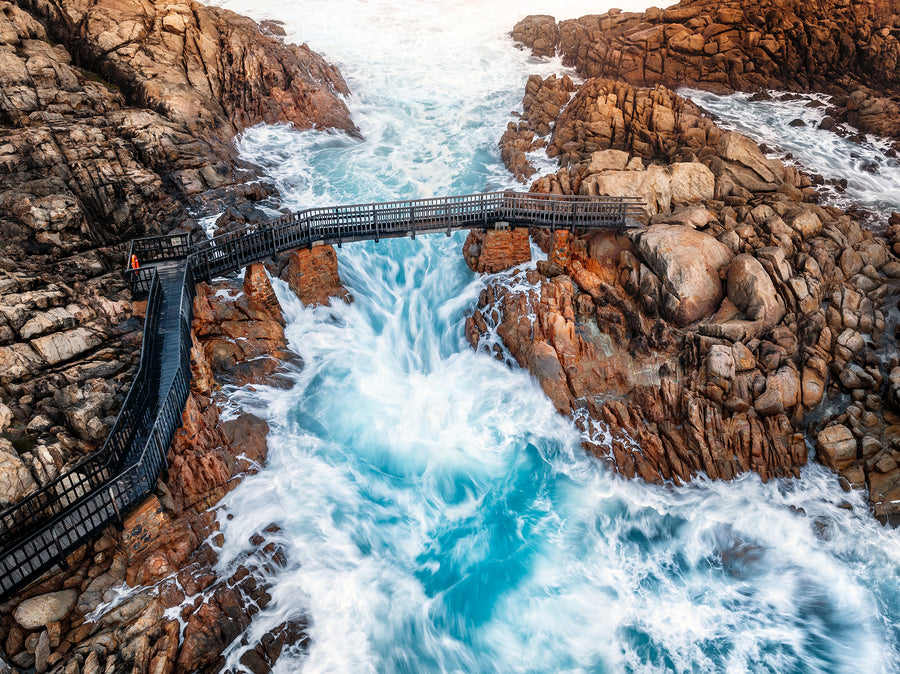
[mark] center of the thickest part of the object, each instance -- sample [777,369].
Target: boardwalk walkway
[40,531]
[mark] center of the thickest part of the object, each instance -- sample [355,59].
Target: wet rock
[539,33]
[313,275]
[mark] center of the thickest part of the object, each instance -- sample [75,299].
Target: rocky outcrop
[495,250]
[84,168]
[116,121]
[205,68]
[847,50]
[699,342]
[727,46]
[312,274]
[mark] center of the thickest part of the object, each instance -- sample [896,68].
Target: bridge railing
[101,489]
[337,224]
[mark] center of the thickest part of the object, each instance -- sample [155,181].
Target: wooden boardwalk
[40,531]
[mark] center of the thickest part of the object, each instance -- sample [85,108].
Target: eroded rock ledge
[704,341]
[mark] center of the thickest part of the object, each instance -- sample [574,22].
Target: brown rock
[172,59]
[836,446]
[496,250]
[688,264]
[539,33]
[313,275]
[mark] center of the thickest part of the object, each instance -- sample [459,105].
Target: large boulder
[688,263]
[15,480]
[494,250]
[312,274]
[751,291]
[44,609]
[742,162]
[836,447]
[539,32]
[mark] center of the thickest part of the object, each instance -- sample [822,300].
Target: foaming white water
[433,85]
[873,179]
[436,512]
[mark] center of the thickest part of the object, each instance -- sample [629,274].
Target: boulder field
[744,322]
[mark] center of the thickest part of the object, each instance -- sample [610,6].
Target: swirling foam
[437,513]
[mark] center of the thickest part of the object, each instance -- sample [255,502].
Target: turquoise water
[437,514]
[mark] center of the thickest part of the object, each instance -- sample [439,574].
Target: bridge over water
[41,530]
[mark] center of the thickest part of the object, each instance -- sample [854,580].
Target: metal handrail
[35,507]
[38,532]
[124,471]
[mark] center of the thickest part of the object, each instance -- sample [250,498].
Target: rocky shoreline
[746,319]
[117,122]
[707,342]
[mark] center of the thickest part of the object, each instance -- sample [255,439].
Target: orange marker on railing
[134,262]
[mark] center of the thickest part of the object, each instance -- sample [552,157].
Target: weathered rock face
[698,343]
[725,46]
[660,187]
[495,250]
[15,478]
[543,100]
[206,68]
[539,33]
[82,171]
[84,167]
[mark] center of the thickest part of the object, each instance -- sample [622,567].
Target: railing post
[375,222]
[412,220]
[337,223]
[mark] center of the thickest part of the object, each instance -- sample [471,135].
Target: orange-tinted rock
[734,45]
[236,328]
[601,330]
[210,629]
[495,250]
[312,274]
